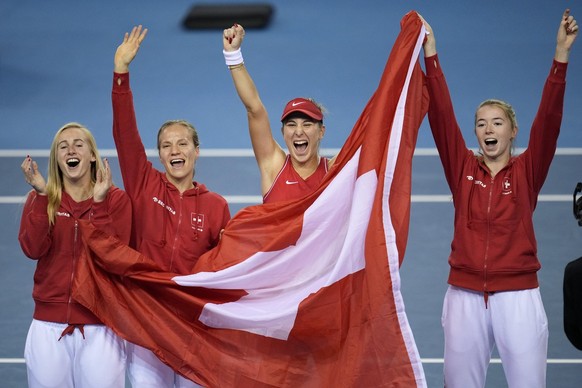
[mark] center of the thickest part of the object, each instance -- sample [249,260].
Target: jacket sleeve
[543,138]
[225,217]
[131,152]
[33,236]
[443,123]
[113,215]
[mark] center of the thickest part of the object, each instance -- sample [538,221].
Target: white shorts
[514,321]
[145,370]
[96,361]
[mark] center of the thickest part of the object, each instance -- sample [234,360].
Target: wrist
[233,67]
[429,47]
[233,58]
[561,54]
[120,68]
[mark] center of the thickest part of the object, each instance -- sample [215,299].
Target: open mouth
[73,162]
[490,142]
[300,146]
[177,162]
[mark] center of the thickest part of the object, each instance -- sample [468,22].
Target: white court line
[498,361]
[449,198]
[11,360]
[150,152]
[247,152]
[423,360]
[257,199]
[572,151]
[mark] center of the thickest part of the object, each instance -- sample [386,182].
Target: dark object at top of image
[578,203]
[221,16]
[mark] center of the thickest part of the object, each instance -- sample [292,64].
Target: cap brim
[306,112]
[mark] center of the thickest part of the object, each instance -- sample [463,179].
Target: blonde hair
[54,186]
[318,105]
[504,106]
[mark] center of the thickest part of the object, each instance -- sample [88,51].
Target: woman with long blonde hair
[68,346]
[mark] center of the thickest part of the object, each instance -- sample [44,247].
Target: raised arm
[443,123]
[133,160]
[546,126]
[270,156]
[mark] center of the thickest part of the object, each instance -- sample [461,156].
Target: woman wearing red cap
[283,176]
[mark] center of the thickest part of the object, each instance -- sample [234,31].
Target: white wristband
[233,57]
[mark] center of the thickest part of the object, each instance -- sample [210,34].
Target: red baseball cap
[304,106]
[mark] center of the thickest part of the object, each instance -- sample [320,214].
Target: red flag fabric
[303,293]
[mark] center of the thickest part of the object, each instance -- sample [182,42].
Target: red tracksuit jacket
[494,247]
[57,249]
[171,228]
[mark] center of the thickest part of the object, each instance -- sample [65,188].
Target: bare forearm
[246,89]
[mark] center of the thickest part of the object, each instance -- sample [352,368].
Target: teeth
[73,162]
[174,161]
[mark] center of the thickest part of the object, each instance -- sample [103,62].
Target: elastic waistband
[493,282]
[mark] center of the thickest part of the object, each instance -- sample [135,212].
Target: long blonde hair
[54,186]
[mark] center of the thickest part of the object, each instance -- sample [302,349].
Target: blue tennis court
[56,63]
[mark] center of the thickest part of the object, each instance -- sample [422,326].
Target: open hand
[32,176]
[128,49]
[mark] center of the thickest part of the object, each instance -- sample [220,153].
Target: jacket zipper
[177,233]
[75,238]
[488,239]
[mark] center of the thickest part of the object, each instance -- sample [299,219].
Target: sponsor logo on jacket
[477,182]
[162,204]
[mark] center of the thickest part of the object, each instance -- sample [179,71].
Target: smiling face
[74,155]
[495,131]
[302,136]
[178,154]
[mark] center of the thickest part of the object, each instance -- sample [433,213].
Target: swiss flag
[303,293]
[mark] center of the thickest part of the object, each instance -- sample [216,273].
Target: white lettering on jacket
[480,183]
[162,204]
